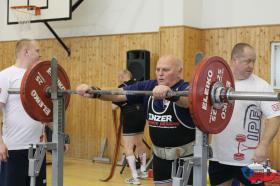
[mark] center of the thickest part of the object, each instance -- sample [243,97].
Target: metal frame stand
[36,159]
[181,168]
[149,164]
[101,157]
[58,128]
[124,163]
[57,145]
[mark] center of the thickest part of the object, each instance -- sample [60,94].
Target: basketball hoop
[24,14]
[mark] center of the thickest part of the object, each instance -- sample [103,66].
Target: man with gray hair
[170,124]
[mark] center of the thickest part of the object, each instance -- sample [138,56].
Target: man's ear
[233,61]
[180,70]
[26,52]
[180,74]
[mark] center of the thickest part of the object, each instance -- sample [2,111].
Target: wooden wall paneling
[182,42]
[192,45]
[7,54]
[208,42]
[222,49]
[220,42]
[143,41]
[265,59]
[172,41]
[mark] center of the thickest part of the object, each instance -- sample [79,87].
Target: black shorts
[133,120]
[14,172]
[162,171]
[220,173]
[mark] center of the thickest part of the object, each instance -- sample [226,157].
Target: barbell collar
[254,96]
[218,95]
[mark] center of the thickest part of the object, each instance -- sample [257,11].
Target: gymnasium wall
[105,17]
[97,59]
[220,13]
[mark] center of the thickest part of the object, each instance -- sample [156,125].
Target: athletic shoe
[134,181]
[143,175]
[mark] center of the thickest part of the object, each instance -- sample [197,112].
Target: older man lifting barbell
[171,126]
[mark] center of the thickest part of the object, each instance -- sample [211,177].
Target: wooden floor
[86,173]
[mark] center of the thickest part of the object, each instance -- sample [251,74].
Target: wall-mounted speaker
[138,63]
[198,57]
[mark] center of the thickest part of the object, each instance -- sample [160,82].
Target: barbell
[211,93]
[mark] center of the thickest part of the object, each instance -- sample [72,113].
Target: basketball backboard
[51,10]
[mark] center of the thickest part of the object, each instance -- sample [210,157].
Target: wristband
[173,98]
[67,139]
[94,95]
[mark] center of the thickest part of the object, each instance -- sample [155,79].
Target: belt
[172,153]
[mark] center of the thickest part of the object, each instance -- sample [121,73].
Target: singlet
[183,130]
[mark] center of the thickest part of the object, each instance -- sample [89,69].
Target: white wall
[193,13]
[94,17]
[101,17]
[228,13]
[171,13]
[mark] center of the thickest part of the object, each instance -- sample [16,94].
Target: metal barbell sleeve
[257,96]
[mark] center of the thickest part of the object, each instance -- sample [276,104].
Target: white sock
[132,164]
[143,158]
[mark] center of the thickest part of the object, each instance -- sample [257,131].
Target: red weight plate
[33,96]
[207,118]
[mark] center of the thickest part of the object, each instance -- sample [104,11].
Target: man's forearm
[1,125]
[114,98]
[270,131]
[183,102]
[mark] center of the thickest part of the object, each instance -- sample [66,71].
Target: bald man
[170,124]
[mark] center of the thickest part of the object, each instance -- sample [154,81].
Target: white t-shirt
[237,143]
[19,129]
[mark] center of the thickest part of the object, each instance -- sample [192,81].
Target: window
[275,65]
